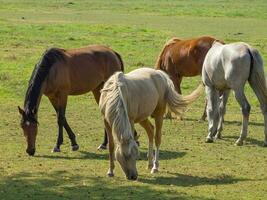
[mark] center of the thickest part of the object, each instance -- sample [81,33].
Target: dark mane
[38,76]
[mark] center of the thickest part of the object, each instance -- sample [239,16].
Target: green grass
[189,168]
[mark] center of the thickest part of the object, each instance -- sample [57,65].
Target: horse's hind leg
[96,93]
[204,115]
[146,124]
[177,85]
[222,109]
[245,107]
[111,149]
[212,112]
[264,112]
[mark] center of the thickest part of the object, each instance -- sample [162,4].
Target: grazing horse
[180,58]
[230,67]
[61,73]
[125,100]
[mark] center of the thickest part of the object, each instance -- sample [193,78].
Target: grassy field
[189,168]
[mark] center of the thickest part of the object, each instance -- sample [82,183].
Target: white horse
[228,67]
[132,98]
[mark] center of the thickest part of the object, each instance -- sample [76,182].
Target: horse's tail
[39,74]
[256,78]
[177,102]
[120,59]
[160,59]
[113,106]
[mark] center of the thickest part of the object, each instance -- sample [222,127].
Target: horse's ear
[21,111]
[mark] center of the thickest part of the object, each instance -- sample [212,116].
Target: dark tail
[256,77]
[251,64]
[119,57]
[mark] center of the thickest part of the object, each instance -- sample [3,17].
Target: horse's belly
[143,111]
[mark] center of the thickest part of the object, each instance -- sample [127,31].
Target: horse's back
[227,66]
[94,56]
[145,90]
[83,70]
[184,57]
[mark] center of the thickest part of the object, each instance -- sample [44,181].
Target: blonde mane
[114,108]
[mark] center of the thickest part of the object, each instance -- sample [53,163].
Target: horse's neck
[32,102]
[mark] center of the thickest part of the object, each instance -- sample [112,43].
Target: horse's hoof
[218,137]
[75,147]
[110,174]
[168,116]
[239,143]
[56,149]
[150,166]
[201,120]
[154,170]
[209,140]
[102,147]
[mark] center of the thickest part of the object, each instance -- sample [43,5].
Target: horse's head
[30,128]
[126,155]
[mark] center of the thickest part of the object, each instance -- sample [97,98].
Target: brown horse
[180,58]
[61,73]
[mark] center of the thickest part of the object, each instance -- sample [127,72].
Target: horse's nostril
[132,177]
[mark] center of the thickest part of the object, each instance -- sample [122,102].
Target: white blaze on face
[27,123]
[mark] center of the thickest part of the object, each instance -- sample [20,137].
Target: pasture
[189,168]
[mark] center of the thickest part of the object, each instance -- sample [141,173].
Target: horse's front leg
[60,130]
[110,172]
[60,108]
[176,79]
[212,112]
[71,135]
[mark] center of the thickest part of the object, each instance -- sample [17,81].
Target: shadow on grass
[239,123]
[63,185]
[247,141]
[80,155]
[189,181]
[164,155]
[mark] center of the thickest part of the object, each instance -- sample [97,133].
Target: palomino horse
[125,100]
[180,58]
[61,73]
[229,67]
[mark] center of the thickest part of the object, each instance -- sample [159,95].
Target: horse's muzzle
[30,151]
[132,177]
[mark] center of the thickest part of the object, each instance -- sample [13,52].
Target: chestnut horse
[180,58]
[61,73]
